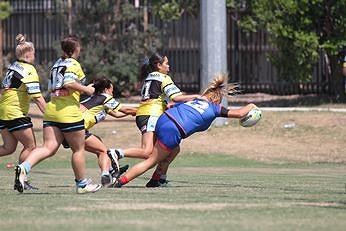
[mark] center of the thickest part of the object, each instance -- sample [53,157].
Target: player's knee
[146,153]
[30,148]
[152,161]
[49,150]
[101,152]
[9,149]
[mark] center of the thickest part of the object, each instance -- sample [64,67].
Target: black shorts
[16,124]
[2,125]
[65,127]
[146,123]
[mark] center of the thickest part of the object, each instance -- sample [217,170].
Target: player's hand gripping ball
[251,118]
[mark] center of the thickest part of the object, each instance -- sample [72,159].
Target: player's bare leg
[159,177]
[158,154]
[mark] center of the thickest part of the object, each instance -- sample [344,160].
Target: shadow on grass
[41,193]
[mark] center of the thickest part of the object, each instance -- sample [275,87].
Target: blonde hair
[23,46]
[218,88]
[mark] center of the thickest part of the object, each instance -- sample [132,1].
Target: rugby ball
[251,118]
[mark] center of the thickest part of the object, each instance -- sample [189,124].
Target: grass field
[268,177]
[225,193]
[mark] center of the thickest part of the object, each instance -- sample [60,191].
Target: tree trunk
[145,15]
[337,81]
[69,15]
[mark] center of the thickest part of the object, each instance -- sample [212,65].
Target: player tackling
[180,122]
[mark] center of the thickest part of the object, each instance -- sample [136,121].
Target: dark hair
[150,65]
[101,84]
[69,45]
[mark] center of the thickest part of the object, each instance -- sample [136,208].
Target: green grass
[209,192]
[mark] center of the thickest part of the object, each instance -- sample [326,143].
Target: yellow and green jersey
[98,106]
[20,83]
[156,88]
[64,104]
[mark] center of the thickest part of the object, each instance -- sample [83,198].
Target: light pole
[213,48]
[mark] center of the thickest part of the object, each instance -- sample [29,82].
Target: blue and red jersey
[195,116]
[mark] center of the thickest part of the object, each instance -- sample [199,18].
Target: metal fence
[249,65]
[44,22]
[41,21]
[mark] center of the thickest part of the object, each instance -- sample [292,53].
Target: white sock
[163,177]
[105,173]
[121,153]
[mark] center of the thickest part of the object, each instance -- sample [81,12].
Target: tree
[300,32]
[114,42]
[173,9]
[116,37]
[5,11]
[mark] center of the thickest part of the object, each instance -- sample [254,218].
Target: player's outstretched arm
[184,98]
[124,111]
[117,114]
[241,112]
[89,90]
[128,110]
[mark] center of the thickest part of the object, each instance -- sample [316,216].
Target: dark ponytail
[68,45]
[150,65]
[101,84]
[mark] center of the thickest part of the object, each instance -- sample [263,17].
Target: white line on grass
[299,109]
[302,109]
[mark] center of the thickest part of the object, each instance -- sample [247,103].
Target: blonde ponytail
[218,88]
[23,46]
[20,39]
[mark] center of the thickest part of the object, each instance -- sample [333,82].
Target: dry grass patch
[315,137]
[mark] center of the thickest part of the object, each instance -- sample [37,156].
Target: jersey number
[6,83]
[57,78]
[200,106]
[145,90]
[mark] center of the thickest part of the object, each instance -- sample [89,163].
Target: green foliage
[231,4]
[44,73]
[114,42]
[5,9]
[173,9]
[300,30]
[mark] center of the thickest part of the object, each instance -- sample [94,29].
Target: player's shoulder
[21,66]
[157,76]
[111,102]
[167,79]
[73,63]
[68,62]
[107,97]
[24,69]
